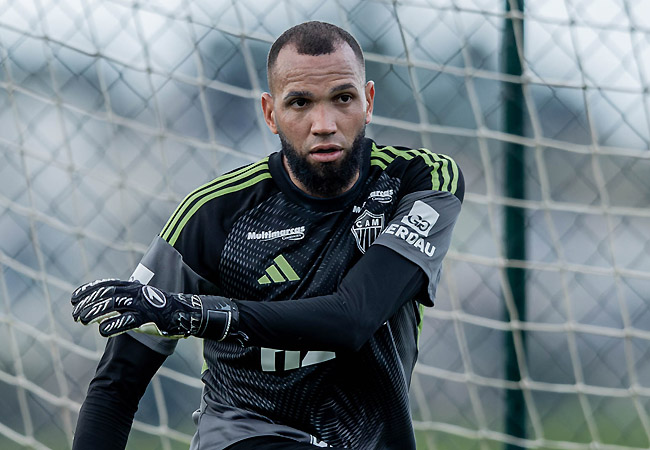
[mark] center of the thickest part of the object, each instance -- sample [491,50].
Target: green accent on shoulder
[286,268]
[218,193]
[202,189]
[263,280]
[442,166]
[375,162]
[206,189]
[451,177]
[426,156]
[380,153]
[441,170]
[448,170]
[429,158]
[454,170]
[275,274]
[406,154]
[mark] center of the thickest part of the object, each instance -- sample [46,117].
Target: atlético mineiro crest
[366,228]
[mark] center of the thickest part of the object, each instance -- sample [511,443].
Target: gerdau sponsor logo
[411,237]
[418,224]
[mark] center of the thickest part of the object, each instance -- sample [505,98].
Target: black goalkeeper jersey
[252,235]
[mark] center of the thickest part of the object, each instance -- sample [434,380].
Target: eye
[299,102]
[345,98]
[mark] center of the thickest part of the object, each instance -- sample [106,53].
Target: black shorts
[274,443]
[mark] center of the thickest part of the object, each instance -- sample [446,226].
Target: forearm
[369,295]
[121,379]
[99,427]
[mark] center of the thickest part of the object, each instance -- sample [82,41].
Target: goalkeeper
[304,273]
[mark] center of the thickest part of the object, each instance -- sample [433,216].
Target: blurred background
[111,111]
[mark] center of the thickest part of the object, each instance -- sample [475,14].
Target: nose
[323,121]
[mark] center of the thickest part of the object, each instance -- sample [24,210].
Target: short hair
[313,38]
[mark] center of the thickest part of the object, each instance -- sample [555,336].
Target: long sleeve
[122,376]
[372,291]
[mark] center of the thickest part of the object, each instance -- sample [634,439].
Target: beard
[325,179]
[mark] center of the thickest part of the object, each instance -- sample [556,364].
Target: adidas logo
[279,272]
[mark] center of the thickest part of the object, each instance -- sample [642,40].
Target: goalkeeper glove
[120,306]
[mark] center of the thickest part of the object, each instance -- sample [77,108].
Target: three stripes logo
[279,272]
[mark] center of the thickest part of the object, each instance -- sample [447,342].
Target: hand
[120,306]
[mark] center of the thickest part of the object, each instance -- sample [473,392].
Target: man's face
[319,105]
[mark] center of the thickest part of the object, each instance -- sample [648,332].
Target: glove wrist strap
[219,317]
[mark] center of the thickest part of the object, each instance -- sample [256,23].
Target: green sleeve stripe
[219,181]
[384,153]
[406,154]
[383,157]
[207,197]
[377,162]
[428,158]
[378,153]
[451,171]
[454,170]
[448,170]
[444,171]
[206,188]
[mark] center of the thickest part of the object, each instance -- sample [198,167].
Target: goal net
[112,110]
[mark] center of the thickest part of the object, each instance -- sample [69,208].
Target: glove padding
[121,306]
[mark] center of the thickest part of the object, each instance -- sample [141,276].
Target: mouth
[324,153]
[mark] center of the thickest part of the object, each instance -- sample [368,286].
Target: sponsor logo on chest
[384,197]
[291,234]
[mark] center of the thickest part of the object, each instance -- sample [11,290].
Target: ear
[269,114]
[370,100]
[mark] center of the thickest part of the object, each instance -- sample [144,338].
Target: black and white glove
[121,306]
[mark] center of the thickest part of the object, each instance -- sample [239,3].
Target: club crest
[366,228]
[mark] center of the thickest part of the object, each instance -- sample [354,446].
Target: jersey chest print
[284,248]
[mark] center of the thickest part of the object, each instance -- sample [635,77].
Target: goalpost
[112,110]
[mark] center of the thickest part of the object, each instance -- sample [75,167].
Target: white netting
[112,110]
